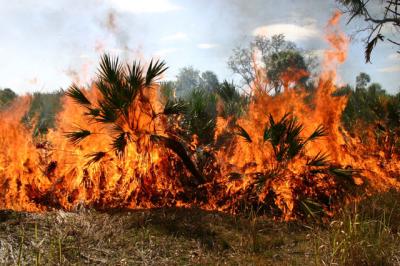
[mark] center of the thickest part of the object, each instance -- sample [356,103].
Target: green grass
[367,233]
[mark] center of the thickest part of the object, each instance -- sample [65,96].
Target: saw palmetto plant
[234,104]
[285,137]
[127,110]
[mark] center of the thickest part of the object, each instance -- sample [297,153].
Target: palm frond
[93,112]
[177,147]
[240,131]
[312,208]
[321,159]
[267,134]
[294,148]
[343,173]
[228,92]
[110,69]
[77,136]
[95,157]
[277,129]
[77,95]
[175,107]
[119,143]
[154,70]
[135,75]
[107,114]
[293,130]
[320,131]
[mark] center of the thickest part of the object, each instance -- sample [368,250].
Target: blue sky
[47,44]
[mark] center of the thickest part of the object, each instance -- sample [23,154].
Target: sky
[45,45]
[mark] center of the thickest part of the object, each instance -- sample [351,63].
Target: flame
[36,175]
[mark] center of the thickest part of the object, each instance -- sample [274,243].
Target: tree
[362,80]
[377,15]
[209,81]
[187,79]
[190,79]
[6,96]
[277,57]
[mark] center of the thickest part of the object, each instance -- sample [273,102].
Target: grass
[367,233]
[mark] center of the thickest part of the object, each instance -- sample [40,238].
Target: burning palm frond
[119,143]
[95,157]
[321,159]
[319,132]
[77,95]
[175,107]
[179,149]
[77,136]
[154,71]
[240,131]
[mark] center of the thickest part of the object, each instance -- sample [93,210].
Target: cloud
[178,36]
[394,56]
[207,45]
[144,6]
[291,31]
[164,52]
[84,56]
[391,69]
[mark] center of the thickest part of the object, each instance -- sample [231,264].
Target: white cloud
[207,45]
[178,36]
[394,56]
[164,52]
[144,6]
[84,56]
[291,31]
[391,69]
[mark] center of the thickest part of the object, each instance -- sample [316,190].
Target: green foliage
[285,137]
[189,79]
[167,89]
[42,112]
[362,80]
[234,104]
[369,110]
[366,105]
[200,118]
[6,97]
[175,107]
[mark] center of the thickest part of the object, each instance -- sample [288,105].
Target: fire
[249,171]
